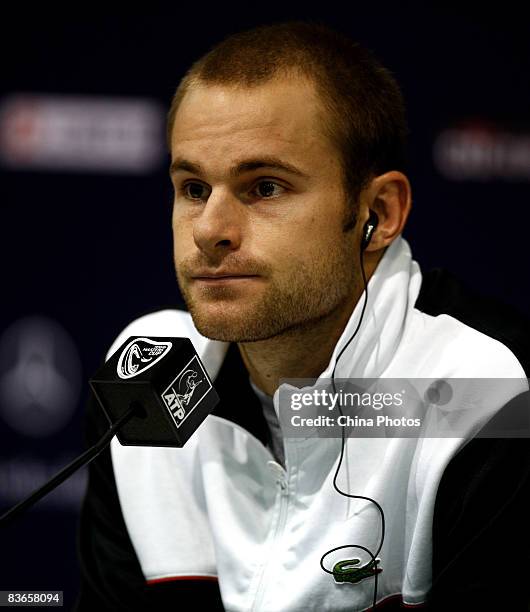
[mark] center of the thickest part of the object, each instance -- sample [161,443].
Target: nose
[218,228]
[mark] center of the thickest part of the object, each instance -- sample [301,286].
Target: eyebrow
[247,165]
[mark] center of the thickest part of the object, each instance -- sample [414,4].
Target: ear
[389,195]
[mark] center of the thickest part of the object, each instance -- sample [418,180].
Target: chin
[241,326]
[220,324]
[223,333]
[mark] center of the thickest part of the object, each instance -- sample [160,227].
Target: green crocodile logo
[344,571]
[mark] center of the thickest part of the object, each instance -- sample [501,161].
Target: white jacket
[222,507]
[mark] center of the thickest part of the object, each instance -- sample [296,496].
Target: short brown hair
[364,111]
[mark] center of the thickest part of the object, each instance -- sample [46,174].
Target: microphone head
[166,380]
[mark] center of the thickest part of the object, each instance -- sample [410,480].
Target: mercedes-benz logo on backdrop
[40,376]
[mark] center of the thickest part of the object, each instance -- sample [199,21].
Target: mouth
[224,279]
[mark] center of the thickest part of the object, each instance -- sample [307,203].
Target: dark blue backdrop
[67,233]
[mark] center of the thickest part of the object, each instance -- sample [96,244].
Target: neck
[303,351]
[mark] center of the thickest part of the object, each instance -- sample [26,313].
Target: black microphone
[154,391]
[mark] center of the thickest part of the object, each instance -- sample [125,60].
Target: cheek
[182,229]
[307,243]
[277,246]
[308,238]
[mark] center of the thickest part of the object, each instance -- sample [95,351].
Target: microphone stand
[84,459]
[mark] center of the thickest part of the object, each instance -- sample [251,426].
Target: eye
[193,191]
[266,189]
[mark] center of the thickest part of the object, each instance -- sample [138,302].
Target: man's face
[275,235]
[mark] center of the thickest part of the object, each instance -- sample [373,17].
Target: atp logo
[139,355]
[186,391]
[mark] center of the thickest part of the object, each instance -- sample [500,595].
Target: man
[287,161]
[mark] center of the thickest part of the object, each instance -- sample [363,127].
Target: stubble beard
[286,308]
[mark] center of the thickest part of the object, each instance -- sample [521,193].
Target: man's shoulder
[481,501]
[476,325]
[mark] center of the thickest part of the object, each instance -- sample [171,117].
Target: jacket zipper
[281,507]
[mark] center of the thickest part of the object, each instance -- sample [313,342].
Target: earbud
[369,228]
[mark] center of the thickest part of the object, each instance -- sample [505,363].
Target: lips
[221,274]
[223,279]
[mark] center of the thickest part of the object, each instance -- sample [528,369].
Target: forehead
[225,123]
